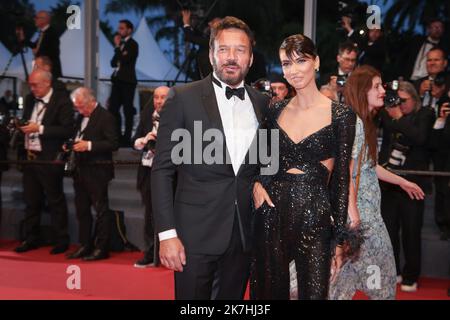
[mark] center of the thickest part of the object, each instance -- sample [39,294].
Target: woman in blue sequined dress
[374,271]
[302,208]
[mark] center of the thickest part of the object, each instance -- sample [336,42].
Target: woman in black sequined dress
[303,207]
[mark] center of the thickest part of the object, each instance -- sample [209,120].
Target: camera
[13,127]
[68,157]
[150,146]
[441,104]
[263,86]
[392,99]
[341,80]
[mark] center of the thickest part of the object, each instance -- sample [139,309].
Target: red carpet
[39,275]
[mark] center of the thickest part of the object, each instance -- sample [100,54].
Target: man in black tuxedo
[145,139]
[204,230]
[47,43]
[95,140]
[124,79]
[50,121]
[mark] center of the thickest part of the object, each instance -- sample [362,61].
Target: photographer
[432,87]
[145,140]
[280,87]
[47,43]
[44,63]
[47,122]
[95,140]
[347,59]
[444,114]
[4,144]
[200,38]
[371,44]
[406,129]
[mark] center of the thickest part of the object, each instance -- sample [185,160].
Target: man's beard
[230,80]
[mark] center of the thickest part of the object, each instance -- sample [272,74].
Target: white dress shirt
[32,141]
[239,124]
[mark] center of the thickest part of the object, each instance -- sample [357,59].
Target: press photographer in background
[433,90]
[95,139]
[347,59]
[444,114]
[145,139]
[406,128]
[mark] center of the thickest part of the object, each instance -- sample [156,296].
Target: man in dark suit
[95,140]
[50,121]
[144,139]
[124,79]
[204,230]
[47,43]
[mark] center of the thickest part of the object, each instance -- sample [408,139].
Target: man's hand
[445,110]
[346,23]
[260,196]
[394,112]
[117,40]
[172,255]
[186,14]
[424,86]
[81,146]
[31,127]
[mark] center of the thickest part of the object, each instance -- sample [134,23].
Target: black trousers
[122,94]
[405,216]
[149,233]
[40,182]
[227,273]
[442,192]
[90,193]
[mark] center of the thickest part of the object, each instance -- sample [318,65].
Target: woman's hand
[412,189]
[336,263]
[260,195]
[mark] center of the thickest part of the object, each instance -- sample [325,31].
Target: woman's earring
[317,69]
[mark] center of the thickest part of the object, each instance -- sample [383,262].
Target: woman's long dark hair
[358,85]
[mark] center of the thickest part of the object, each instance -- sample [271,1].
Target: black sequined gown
[310,209]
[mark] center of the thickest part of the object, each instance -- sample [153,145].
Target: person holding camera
[201,39]
[437,82]
[433,89]
[371,44]
[145,140]
[47,43]
[406,130]
[47,122]
[347,59]
[45,63]
[95,140]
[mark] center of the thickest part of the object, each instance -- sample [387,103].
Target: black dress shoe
[98,254]
[26,246]
[59,248]
[80,253]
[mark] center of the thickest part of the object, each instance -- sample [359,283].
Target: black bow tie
[37,100]
[238,92]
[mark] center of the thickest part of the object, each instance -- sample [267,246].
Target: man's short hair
[348,46]
[437,48]
[46,61]
[231,23]
[127,23]
[433,20]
